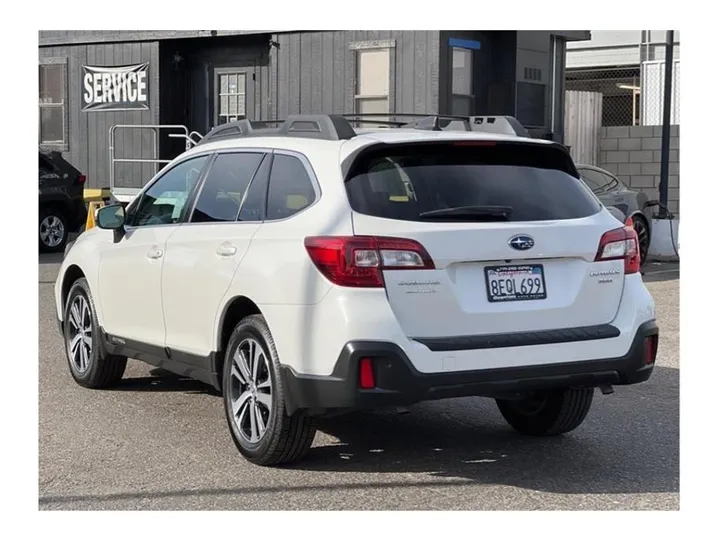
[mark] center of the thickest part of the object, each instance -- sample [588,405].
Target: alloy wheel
[80,339]
[52,231]
[251,391]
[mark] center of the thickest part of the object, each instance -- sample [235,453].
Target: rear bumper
[399,383]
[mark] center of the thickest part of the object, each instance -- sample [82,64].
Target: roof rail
[311,126]
[336,127]
[425,121]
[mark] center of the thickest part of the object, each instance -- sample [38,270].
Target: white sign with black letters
[115,88]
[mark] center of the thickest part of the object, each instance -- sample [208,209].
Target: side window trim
[267,154]
[313,181]
[160,175]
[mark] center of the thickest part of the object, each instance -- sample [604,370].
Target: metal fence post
[667,106]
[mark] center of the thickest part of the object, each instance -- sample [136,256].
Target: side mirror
[111,217]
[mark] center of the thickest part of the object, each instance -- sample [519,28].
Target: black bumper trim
[520,339]
[399,383]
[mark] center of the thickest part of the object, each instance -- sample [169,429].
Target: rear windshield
[461,181]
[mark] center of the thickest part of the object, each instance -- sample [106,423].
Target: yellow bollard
[93,207]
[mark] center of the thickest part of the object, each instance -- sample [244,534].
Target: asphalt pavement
[160,442]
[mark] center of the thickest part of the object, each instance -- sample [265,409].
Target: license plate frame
[530,269]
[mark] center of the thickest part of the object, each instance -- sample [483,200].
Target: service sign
[115,88]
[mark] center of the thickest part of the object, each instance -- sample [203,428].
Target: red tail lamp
[367,377]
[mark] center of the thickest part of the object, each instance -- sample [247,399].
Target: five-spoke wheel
[255,398]
[90,364]
[251,390]
[80,332]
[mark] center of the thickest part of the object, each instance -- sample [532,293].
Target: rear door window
[413,182]
[225,187]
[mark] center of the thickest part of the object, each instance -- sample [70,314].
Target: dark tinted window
[598,181]
[253,207]
[225,186]
[291,189]
[165,200]
[403,182]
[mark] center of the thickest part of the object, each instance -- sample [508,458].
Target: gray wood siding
[88,145]
[316,71]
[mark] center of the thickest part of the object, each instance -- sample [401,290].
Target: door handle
[155,253]
[226,250]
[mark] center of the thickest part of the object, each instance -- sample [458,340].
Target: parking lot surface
[161,442]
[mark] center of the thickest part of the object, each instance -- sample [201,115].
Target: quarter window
[163,202]
[225,187]
[291,189]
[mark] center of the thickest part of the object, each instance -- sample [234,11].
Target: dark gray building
[93,80]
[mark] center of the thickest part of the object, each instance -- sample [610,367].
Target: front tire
[550,412]
[89,363]
[52,230]
[254,399]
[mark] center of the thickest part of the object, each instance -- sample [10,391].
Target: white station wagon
[312,269]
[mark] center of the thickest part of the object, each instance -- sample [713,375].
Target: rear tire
[643,231]
[254,399]
[89,363]
[550,412]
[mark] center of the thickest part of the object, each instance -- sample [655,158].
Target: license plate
[513,283]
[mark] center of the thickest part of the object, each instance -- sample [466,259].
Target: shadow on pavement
[628,444]
[661,271]
[165,381]
[460,441]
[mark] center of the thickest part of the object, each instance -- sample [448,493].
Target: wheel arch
[72,274]
[236,309]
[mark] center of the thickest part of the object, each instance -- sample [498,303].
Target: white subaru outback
[312,269]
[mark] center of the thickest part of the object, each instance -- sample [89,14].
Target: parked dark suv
[62,206]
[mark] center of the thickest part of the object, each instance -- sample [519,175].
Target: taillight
[359,261]
[81,179]
[620,243]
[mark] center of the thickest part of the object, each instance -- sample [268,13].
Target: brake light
[81,179]
[474,143]
[359,261]
[621,243]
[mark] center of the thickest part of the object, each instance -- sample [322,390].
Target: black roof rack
[340,127]
[311,126]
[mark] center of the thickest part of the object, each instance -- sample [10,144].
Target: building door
[234,96]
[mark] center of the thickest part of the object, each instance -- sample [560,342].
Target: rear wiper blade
[479,213]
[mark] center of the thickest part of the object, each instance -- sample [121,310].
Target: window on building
[231,97]
[372,87]
[291,189]
[462,81]
[225,186]
[53,100]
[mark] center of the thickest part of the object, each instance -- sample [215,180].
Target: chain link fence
[631,95]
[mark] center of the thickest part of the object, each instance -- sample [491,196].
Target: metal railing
[190,141]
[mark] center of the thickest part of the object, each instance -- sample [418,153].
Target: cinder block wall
[633,154]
